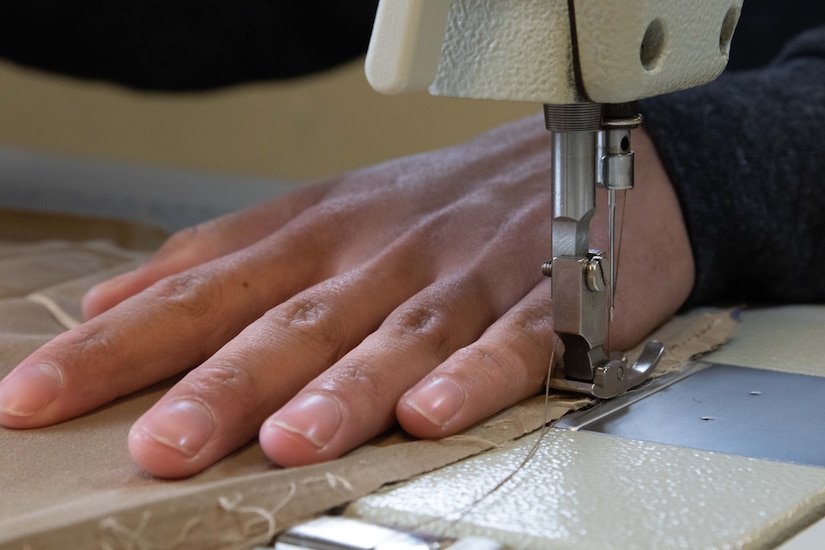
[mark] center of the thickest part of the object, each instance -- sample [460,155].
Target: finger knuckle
[519,351]
[190,293]
[331,219]
[317,322]
[532,321]
[229,379]
[361,378]
[88,346]
[426,323]
[493,367]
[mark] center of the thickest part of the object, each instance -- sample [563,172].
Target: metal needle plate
[725,408]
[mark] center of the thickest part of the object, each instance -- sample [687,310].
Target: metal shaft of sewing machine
[590,149]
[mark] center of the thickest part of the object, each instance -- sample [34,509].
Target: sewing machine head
[587,61]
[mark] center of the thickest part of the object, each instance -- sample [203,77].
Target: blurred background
[297,130]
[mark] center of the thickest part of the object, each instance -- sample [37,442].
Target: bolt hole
[625,145]
[653,45]
[728,26]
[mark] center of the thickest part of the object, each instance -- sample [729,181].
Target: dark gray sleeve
[746,155]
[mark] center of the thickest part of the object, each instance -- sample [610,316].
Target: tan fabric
[74,485]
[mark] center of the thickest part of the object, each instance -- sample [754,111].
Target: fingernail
[315,417]
[183,425]
[437,401]
[30,390]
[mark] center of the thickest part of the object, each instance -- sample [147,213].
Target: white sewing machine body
[604,51]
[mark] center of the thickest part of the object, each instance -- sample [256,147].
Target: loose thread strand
[463,512]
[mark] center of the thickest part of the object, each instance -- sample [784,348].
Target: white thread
[459,514]
[462,439]
[134,538]
[292,490]
[59,314]
[234,507]
[268,515]
[337,481]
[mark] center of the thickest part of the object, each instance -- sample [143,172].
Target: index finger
[174,325]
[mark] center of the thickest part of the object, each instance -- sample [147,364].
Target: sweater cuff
[746,156]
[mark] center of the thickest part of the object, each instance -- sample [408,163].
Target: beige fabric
[74,485]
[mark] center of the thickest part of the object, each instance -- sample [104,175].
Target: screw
[595,276]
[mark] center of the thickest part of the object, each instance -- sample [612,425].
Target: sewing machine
[587,62]
[603,485]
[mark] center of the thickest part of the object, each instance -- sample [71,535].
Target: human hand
[409,292]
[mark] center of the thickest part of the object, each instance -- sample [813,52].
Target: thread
[463,512]
[60,315]
[137,539]
[335,482]
[233,506]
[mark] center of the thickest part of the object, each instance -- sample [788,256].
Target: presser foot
[614,377]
